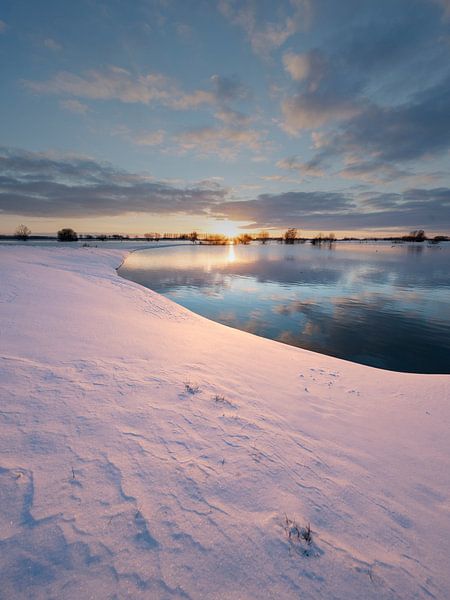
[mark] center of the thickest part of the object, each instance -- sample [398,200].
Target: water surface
[377,304]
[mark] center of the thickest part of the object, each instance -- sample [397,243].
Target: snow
[146,452]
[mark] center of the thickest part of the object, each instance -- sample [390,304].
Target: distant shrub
[67,235]
[22,233]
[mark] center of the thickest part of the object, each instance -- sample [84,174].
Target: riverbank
[147,452]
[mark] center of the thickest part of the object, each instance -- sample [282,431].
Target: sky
[225,116]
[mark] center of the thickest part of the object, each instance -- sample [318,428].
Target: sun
[227,228]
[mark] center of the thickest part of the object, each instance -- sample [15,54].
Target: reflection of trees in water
[312,265]
[415,248]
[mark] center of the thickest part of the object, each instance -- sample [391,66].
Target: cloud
[74,106]
[116,83]
[232,117]
[377,140]
[184,31]
[407,131]
[336,211]
[324,95]
[150,138]
[225,142]
[385,57]
[445,5]
[39,185]
[293,163]
[297,65]
[228,89]
[307,111]
[43,185]
[3,26]
[52,44]
[265,36]
[286,209]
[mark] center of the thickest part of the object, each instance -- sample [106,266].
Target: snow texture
[146,452]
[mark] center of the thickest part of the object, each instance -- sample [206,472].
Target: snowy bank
[147,452]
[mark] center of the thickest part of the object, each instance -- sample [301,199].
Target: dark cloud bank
[36,185]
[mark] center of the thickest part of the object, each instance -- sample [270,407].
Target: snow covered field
[146,452]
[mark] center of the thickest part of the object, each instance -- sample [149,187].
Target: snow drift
[147,452]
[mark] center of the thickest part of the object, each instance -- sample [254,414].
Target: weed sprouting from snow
[300,538]
[191,388]
[305,533]
[222,401]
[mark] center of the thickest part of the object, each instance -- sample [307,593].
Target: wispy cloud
[116,83]
[293,163]
[74,106]
[233,117]
[299,66]
[445,4]
[150,138]
[264,35]
[323,96]
[52,44]
[225,142]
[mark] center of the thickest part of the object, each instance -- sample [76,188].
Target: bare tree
[22,233]
[263,236]
[418,235]
[244,238]
[193,236]
[290,236]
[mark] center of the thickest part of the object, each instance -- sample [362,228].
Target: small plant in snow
[191,388]
[299,537]
[305,533]
[222,400]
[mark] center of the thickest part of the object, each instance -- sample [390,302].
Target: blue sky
[166,115]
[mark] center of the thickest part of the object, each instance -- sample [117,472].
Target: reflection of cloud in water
[296,306]
[372,334]
[348,265]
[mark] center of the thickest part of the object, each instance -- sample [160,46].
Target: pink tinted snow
[146,452]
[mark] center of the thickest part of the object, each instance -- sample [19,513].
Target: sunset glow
[225,117]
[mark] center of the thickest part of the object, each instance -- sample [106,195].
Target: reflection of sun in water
[231,254]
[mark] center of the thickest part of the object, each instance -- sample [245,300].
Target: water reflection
[231,254]
[375,304]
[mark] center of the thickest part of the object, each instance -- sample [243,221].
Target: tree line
[290,236]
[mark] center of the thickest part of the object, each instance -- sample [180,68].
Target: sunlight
[227,228]
[231,253]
